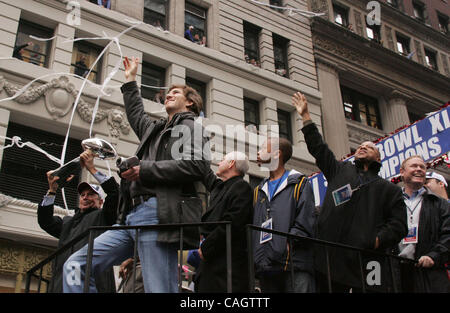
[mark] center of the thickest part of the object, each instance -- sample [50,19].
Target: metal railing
[327,245]
[251,269]
[90,232]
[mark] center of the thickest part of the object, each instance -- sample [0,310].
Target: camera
[124,164]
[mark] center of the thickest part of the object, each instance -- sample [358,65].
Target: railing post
[229,265]
[291,250]
[136,238]
[327,255]
[391,268]
[180,261]
[89,261]
[363,281]
[40,280]
[251,267]
[28,283]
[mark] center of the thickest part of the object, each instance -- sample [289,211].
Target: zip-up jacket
[292,211]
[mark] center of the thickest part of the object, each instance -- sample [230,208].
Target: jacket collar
[292,178]
[374,166]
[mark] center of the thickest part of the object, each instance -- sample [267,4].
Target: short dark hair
[192,95]
[285,146]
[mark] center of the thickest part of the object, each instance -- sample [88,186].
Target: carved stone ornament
[334,48]
[60,95]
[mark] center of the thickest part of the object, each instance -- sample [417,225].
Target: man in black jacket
[230,200]
[89,213]
[360,209]
[160,190]
[428,239]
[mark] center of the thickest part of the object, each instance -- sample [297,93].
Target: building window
[373,32]
[23,171]
[280,51]
[104,3]
[284,124]
[431,59]
[340,15]
[201,89]
[419,10]
[251,43]
[403,45]
[251,112]
[277,3]
[30,50]
[361,108]
[83,57]
[443,23]
[195,24]
[413,116]
[155,13]
[154,76]
[393,3]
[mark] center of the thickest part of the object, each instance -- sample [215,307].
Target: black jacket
[229,201]
[376,210]
[433,241]
[69,227]
[173,180]
[292,211]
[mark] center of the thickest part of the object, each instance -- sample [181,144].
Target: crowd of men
[360,209]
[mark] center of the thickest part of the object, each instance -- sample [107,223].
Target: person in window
[35,57]
[104,3]
[188,33]
[18,50]
[81,69]
[158,26]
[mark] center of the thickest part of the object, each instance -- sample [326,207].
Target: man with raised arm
[159,190]
[360,209]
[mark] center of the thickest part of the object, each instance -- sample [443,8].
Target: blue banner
[429,138]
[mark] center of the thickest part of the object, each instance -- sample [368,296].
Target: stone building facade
[238,91]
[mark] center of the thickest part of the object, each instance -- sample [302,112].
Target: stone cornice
[332,40]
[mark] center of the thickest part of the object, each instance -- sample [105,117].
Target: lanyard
[361,184]
[411,211]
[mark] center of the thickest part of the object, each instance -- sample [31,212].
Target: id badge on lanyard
[265,237]
[413,235]
[342,195]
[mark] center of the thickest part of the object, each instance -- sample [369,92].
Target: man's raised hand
[301,104]
[131,68]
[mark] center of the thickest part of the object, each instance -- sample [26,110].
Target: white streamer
[16,140]
[304,13]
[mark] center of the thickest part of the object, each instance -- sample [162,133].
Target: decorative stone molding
[7,200]
[396,94]
[59,95]
[360,133]
[334,48]
[18,259]
[419,53]
[390,40]
[359,24]
[445,63]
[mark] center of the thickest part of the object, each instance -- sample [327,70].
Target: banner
[429,138]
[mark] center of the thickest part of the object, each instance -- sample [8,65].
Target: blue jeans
[159,260]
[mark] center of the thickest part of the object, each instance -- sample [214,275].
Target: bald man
[360,209]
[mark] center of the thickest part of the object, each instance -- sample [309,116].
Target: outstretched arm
[325,158]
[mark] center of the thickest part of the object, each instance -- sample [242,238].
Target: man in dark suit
[230,200]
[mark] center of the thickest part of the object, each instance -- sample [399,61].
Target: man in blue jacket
[283,202]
